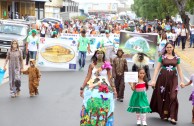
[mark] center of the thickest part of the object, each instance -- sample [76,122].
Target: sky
[130,1]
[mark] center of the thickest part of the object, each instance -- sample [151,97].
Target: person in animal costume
[34,78]
[141,60]
[119,67]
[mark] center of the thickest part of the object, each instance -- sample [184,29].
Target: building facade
[63,9]
[18,8]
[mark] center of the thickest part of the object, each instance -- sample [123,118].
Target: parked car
[13,30]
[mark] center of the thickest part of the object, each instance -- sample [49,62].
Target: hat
[167,29]
[54,32]
[107,31]
[34,31]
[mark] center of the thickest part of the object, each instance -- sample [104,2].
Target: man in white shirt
[192,36]
[32,44]
[178,32]
[108,44]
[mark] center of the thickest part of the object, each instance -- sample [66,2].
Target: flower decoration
[177,57]
[162,89]
[103,88]
[177,88]
[169,68]
[163,56]
[106,65]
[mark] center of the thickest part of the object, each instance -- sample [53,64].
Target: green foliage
[152,9]
[95,104]
[82,18]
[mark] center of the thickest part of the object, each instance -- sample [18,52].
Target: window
[12,29]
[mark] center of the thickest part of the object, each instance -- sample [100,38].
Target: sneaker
[13,95]
[121,100]
[80,68]
[138,122]
[144,123]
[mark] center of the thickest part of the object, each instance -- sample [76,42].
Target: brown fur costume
[34,78]
[119,67]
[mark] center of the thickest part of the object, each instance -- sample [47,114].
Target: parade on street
[96,63]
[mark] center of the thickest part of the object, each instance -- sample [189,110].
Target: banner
[95,40]
[132,43]
[57,53]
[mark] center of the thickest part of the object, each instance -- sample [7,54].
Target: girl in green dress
[139,101]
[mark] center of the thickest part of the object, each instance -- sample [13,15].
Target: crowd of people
[105,78]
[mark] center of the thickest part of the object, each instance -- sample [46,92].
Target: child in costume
[119,67]
[141,60]
[34,78]
[139,101]
[191,98]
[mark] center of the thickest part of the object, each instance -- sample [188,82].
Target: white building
[98,6]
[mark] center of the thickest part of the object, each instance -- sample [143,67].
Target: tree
[183,6]
[151,9]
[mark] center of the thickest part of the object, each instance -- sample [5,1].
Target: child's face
[141,74]
[31,64]
[120,53]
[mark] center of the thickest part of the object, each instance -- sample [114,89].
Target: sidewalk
[187,55]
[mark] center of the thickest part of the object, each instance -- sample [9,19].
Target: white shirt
[192,31]
[174,36]
[178,31]
[183,32]
[108,42]
[169,36]
[32,43]
[162,45]
[43,30]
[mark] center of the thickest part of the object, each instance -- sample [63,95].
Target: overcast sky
[130,1]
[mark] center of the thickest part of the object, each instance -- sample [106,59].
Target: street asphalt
[59,103]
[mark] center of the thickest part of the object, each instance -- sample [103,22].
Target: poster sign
[57,53]
[95,40]
[132,43]
[131,77]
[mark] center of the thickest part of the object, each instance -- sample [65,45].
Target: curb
[184,57]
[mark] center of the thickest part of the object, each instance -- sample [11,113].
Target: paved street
[59,103]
